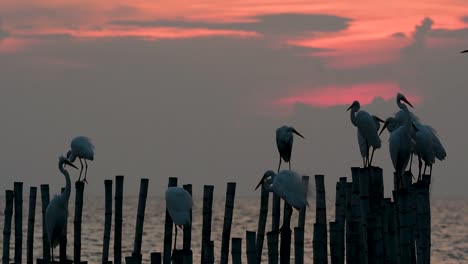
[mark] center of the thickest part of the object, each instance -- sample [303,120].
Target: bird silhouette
[57,210]
[178,203]
[368,129]
[284,142]
[81,148]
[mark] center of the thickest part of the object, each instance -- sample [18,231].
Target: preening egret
[400,140]
[178,203]
[81,148]
[368,129]
[362,142]
[287,185]
[284,142]
[57,210]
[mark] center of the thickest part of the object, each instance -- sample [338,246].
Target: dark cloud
[464,19]
[419,37]
[267,24]
[3,32]
[399,35]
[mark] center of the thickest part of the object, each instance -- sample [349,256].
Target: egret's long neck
[66,193]
[353,115]
[408,121]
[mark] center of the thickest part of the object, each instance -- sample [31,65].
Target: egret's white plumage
[178,203]
[287,185]
[368,129]
[57,210]
[81,148]
[284,142]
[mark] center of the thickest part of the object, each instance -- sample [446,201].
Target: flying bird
[178,203]
[287,185]
[400,140]
[81,148]
[284,142]
[368,129]
[57,210]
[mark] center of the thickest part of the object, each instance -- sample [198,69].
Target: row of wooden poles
[367,227]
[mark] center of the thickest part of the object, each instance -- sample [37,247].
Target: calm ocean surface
[449,227]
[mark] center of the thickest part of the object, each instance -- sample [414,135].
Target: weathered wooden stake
[423,221]
[107,220]
[18,189]
[45,240]
[350,247]
[334,248]
[272,240]
[7,226]
[353,241]
[168,225]
[79,186]
[228,210]
[340,217]
[119,180]
[188,232]
[156,258]
[250,247]
[207,211]
[285,244]
[236,250]
[136,254]
[364,183]
[299,245]
[208,258]
[405,232]
[177,256]
[63,242]
[320,227]
[275,218]
[31,220]
[264,197]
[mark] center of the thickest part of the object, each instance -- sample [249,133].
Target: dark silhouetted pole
[119,180]
[187,247]
[45,240]
[207,211]
[18,189]
[156,258]
[107,220]
[7,226]
[168,228]
[272,240]
[250,247]
[319,242]
[264,196]
[228,211]
[236,250]
[31,220]
[79,186]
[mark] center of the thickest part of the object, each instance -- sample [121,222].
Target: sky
[196,89]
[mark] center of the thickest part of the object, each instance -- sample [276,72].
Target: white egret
[367,128]
[178,203]
[362,142]
[284,142]
[400,140]
[81,148]
[287,185]
[57,210]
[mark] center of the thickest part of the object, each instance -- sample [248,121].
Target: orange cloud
[343,95]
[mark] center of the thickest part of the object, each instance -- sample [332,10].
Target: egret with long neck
[57,210]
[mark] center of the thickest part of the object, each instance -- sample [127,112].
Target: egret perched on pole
[287,185]
[178,203]
[362,141]
[400,140]
[284,142]
[57,210]
[368,129]
[81,148]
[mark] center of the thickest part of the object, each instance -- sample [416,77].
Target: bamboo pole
[320,227]
[107,220]
[79,186]
[423,220]
[236,250]
[31,220]
[352,250]
[340,217]
[275,219]
[412,220]
[228,210]
[264,196]
[168,225]
[386,231]
[45,240]
[208,258]
[334,247]
[119,180]
[272,239]
[250,247]
[136,254]
[9,196]
[285,244]
[396,226]
[404,228]
[63,242]
[156,258]
[348,245]
[177,256]
[364,181]
[18,189]
[207,211]
[299,245]
[188,231]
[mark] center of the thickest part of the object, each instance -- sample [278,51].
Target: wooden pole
[236,250]
[250,247]
[299,245]
[156,258]
[388,232]
[45,240]
[364,182]
[18,189]
[188,231]
[107,220]
[275,218]
[356,211]
[228,210]
[264,197]
[207,212]
[119,180]
[353,241]
[209,253]
[79,186]
[405,232]
[320,227]
[136,254]
[7,226]
[63,242]
[340,217]
[285,244]
[31,220]
[349,241]
[177,256]
[396,226]
[168,225]
[334,247]
[423,220]
[272,239]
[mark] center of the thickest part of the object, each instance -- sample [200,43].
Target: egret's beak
[406,101]
[297,133]
[465,51]
[69,163]
[380,120]
[415,128]
[383,128]
[261,181]
[351,106]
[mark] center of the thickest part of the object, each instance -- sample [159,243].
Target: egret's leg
[364,161]
[425,166]
[81,168]
[175,239]
[367,154]
[279,165]
[430,170]
[420,166]
[372,156]
[289,163]
[411,161]
[86,171]
[52,248]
